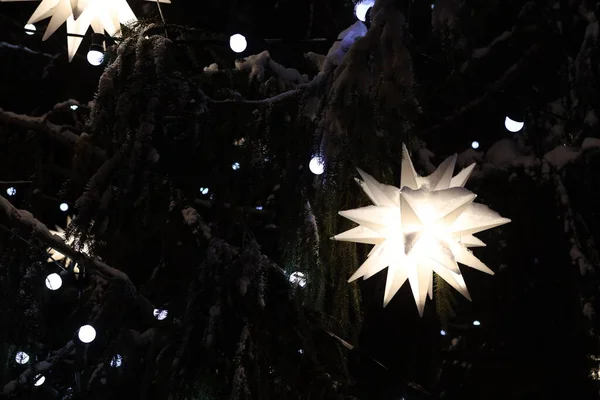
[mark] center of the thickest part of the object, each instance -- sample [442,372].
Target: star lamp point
[80,15]
[425,226]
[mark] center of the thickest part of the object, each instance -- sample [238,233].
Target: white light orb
[160,314]
[235,166]
[298,278]
[29,29]
[432,6]
[300,351]
[259,208]
[87,334]
[513,126]
[22,358]
[238,43]
[316,165]
[116,361]
[443,332]
[475,144]
[11,191]
[64,207]
[53,281]
[39,380]
[95,57]
[74,107]
[361,8]
[476,323]
[204,190]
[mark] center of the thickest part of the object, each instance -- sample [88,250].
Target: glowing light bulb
[95,57]
[160,314]
[298,278]
[259,208]
[476,323]
[116,361]
[238,43]
[513,126]
[22,358]
[74,107]
[235,166]
[443,332]
[64,207]
[87,334]
[316,166]
[11,191]
[361,8]
[39,380]
[475,144]
[204,190]
[53,281]
[30,29]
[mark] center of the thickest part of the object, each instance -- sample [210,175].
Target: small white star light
[424,227]
[101,15]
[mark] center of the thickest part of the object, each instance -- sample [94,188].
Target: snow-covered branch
[302,89]
[41,124]
[22,219]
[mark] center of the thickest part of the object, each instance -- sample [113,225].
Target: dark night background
[534,341]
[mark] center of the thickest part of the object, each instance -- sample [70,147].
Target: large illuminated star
[101,15]
[426,226]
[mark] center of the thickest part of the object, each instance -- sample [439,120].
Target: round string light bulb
[53,281]
[95,57]
[160,314]
[64,207]
[238,43]
[39,380]
[22,358]
[86,334]
[316,165]
[475,144]
[298,278]
[362,8]
[512,125]
[116,361]
[11,191]
[30,29]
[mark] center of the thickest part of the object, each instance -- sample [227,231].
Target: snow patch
[211,69]
[258,63]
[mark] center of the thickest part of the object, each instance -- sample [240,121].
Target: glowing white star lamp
[80,15]
[425,226]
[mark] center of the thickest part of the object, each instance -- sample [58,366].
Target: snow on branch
[305,88]
[11,216]
[41,124]
[258,63]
